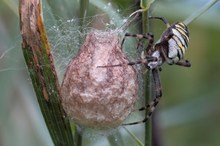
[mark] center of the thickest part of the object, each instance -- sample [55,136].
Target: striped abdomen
[178,43]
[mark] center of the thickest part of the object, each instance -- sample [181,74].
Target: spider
[170,49]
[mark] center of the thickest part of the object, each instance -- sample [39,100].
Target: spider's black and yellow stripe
[178,43]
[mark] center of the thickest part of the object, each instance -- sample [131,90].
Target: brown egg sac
[99,97]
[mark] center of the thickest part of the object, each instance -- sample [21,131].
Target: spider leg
[144,61]
[138,36]
[148,36]
[157,82]
[169,61]
[161,48]
[119,65]
[150,47]
[152,105]
[186,63]
[126,35]
[162,19]
[158,89]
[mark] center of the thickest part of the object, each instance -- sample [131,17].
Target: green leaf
[40,65]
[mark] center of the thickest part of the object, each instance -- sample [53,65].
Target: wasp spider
[170,49]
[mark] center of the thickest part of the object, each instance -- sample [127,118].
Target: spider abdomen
[178,43]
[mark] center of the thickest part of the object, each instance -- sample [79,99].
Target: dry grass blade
[40,65]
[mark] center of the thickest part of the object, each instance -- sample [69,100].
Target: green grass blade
[202,10]
[139,143]
[40,65]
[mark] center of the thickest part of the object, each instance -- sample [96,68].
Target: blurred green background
[189,112]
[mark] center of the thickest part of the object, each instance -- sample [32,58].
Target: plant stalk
[145,5]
